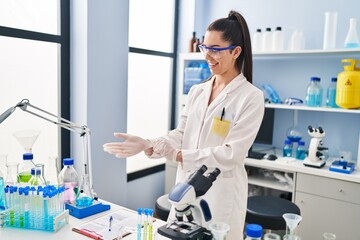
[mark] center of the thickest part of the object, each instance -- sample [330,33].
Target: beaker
[219,230]
[328,236]
[12,173]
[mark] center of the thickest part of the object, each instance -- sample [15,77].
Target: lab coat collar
[234,84]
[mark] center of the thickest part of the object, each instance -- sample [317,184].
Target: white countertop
[292,165]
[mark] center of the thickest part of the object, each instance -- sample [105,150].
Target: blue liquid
[352,45]
[84,201]
[313,100]
[287,152]
[300,154]
[2,194]
[331,97]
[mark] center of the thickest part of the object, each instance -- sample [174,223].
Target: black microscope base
[178,231]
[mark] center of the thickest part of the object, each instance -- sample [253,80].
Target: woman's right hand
[131,145]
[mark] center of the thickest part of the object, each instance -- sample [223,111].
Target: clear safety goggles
[214,52]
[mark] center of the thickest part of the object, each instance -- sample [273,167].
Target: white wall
[99,53]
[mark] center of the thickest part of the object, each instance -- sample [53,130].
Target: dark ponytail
[236,31]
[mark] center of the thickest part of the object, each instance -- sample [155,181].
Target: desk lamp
[86,184]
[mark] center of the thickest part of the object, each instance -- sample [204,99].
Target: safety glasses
[214,52]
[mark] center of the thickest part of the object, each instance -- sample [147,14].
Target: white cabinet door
[322,214]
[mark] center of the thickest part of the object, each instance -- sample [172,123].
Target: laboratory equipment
[348,85]
[36,179]
[300,151]
[84,132]
[191,214]
[26,138]
[68,177]
[314,93]
[51,171]
[287,149]
[292,221]
[2,193]
[271,94]
[277,40]
[316,157]
[257,41]
[352,39]
[330,26]
[266,44]
[331,94]
[294,134]
[253,232]
[11,173]
[272,236]
[219,230]
[25,166]
[342,166]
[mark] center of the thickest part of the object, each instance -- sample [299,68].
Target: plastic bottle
[253,232]
[267,40]
[352,40]
[68,177]
[192,41]
[277,40]
[25,168]
[300,151]
[36,178]
[314,93]
[287,149]
[257,41]
[331,94]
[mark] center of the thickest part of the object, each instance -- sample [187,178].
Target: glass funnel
[27,138]
[292,221]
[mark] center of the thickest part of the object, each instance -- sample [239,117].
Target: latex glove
[130,147]
[165,149]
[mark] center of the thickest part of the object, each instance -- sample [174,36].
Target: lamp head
[23,105]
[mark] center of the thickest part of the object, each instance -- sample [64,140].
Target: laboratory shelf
[262,181]
[306,108]
[309,53]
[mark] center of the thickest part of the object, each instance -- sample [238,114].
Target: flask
[68,177]
[266,40]
[300,151]
[352,40]
[253,232]
[11,173]
[192,41]
[277,40]
[331,94]
[25,168]
[36,179]
[330,30]
[314,93]
[257,41]
[287,149]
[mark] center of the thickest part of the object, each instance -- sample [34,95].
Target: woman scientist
[218,125]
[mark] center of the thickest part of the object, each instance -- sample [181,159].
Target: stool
[267,211]
[162,207]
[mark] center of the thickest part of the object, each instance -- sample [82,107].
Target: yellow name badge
[220,127]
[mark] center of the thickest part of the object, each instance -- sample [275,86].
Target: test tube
[145,228]
[150,224]
[139,224]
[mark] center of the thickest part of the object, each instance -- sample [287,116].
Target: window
[152,61]
[34,65]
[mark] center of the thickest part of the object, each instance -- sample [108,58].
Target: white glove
[165,149]
[130,147]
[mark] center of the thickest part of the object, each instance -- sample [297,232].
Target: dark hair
[236,31]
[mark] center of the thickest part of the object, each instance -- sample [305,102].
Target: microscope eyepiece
[213,175]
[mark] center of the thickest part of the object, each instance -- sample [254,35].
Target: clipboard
[100,229]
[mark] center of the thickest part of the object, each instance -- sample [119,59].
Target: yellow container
[348,85]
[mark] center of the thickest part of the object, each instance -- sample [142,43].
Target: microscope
[316,158]
[192,214]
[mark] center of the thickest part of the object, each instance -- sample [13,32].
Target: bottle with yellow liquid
[348,85]
[24,174]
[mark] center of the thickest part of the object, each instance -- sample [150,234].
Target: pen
[222,114]
[110,221]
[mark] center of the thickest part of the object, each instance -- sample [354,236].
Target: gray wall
[99,66]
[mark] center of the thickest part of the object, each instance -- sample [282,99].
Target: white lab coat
[244,108]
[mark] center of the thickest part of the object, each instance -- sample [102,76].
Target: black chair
[162,207]
[268,211]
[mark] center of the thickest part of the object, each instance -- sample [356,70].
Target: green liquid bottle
[25,168]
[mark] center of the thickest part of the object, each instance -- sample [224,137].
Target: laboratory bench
[66,232]
[328,201]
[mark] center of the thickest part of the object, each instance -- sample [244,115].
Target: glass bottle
[314,93]
[36,178]
[12,173]
[287,149]
[352,40]
[68,177]
[253,232]
[25,168]
[192,41]
[331,94]
[300,151]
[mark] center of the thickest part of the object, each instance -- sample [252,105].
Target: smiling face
[222,63]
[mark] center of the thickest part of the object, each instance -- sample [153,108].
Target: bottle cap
[334,79]
[253,230]
[258,30]
[301,143]
[37,172]
[315,79]
[278,28]
[68,161]
[287,141]
[28,156]
[268,29]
